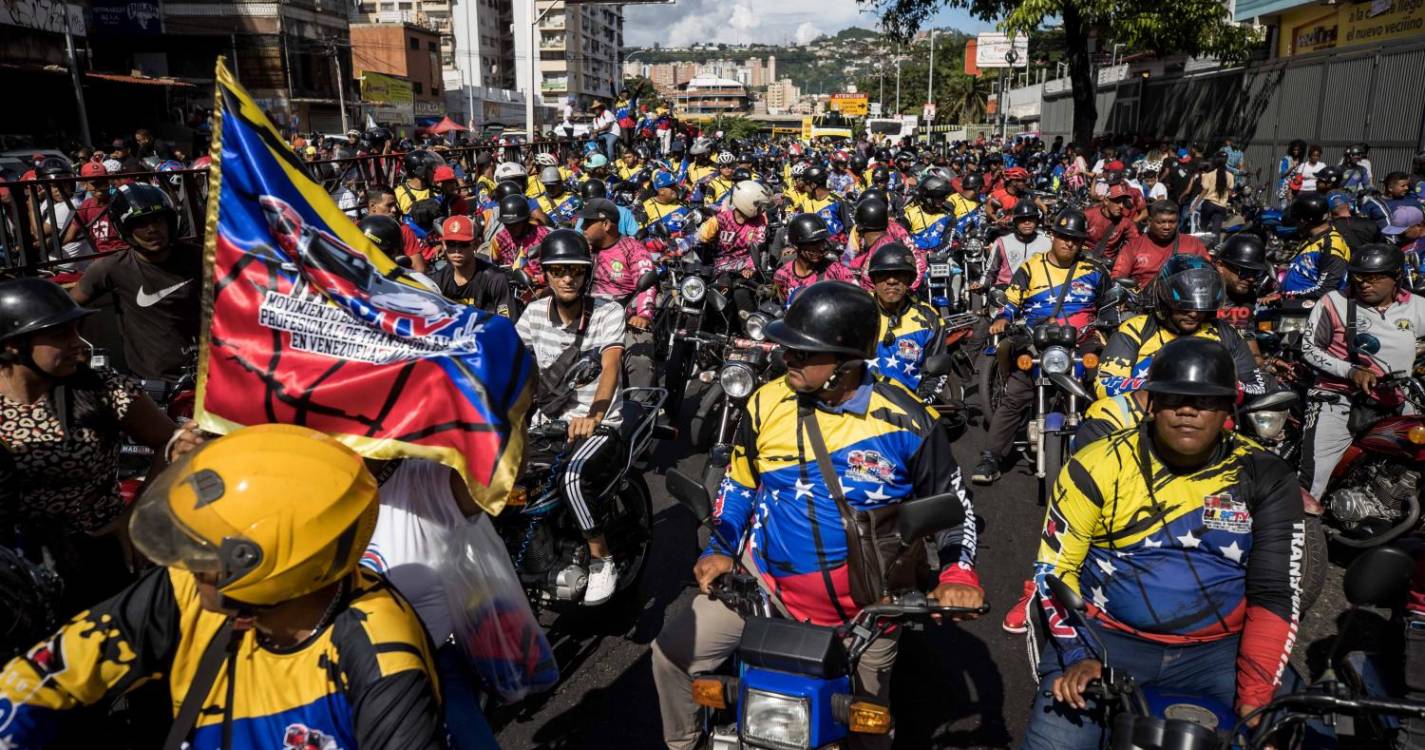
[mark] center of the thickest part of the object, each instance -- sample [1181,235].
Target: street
[967,685]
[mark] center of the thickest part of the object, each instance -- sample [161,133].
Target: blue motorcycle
[793,683]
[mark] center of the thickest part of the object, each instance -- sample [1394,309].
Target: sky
[688,22]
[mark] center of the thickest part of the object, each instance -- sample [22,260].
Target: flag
[306,322]
[370,122]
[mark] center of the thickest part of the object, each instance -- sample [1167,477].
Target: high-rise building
[578,52]
[408,51]
[782,96]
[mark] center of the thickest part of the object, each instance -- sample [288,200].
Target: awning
[110,77]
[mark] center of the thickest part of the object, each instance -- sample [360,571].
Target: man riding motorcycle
[1185,539]
[1320,265]
[910,329]
[807,233]
[560,205]
[664,208]
[1010,251]
[1110,224]
[619,262]
[875,229]
[1001,203]
[1388,321]
[1242,261]
[715,190]
[967,198]
[820,200]
[1054,287]
[516,243]
[929,223]
[776,490]
[1142,257]
[734,235]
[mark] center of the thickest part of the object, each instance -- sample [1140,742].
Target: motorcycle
[1373,496]
[548,550]
[747,363]
[794,683]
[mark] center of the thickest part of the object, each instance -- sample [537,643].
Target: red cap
[93,169]
[1113,166]
[458,228]
[444,172]
[1119,191]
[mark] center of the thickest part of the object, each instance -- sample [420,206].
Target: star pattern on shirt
[803,489]
[1098,598]
[1152,543]
[1106,566]
[1188,541]
[877,493]
[1232,552]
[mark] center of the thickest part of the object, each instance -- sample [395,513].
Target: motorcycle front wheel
[630,529]
[1054,450]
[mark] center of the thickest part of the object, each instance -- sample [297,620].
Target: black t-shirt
[1357,231]
[488,289]
[159,305]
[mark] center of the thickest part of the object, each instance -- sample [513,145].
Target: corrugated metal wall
[1331,98]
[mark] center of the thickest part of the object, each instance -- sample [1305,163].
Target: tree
[642,89]
[959,98]
[1192,27]
[732,128]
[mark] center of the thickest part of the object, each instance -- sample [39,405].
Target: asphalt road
[968,685]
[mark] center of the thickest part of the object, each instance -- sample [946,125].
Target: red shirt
[1005,200]
[1117,234]
[1142,256]
[103,232]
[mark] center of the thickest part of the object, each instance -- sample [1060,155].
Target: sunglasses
[566,272]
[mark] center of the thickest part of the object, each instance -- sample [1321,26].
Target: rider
[927,217]
[1187,295]
[1142,256]
[881,447]
[1110,225]
[1389,321]
[257,535]
[874,230]
[1191,576]
[560,205]
[466,277]
[157,283]
[967,198]
[1002,201]
[716,190]
[910,329]
[810,264]
[1010,251]
[563,330]
[620,261]
[1242,261]
[1056,287]
[517,242]
[1320,264]
[821,201]
[419,170]
[663,207]
[736,233]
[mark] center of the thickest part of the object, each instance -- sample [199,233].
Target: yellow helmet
[278,511]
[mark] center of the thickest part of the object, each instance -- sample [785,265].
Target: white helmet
[799,168]
[545,159]
[509,170]
[550,176]
[700,146]
[750,198]
[726,159]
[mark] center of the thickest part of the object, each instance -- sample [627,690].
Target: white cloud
[743,19]
[807,32]
[687,22]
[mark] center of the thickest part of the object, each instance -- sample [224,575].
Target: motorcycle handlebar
[550,430]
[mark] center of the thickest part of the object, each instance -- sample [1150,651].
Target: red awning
[446,125]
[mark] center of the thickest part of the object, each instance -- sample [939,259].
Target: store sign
[993,50]
[42,15]
[1313,28]
[377,88]
[123,17]
[429,109]
[391,115]
[851,105]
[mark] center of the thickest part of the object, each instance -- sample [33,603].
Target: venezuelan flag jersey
[673,216]
[1037,286]
[1129,353]
[928,230]
[905,340]
[717,191]
[562,210]
[1319,267]
[884,447]
[1183,557]
[961,206]
[366,680]
[831,209]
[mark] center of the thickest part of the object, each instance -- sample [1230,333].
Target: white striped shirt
[547,337]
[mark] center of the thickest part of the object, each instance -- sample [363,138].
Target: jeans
[610,143]
[464,722]
[1209,669]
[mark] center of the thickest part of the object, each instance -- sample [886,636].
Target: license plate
[940,269]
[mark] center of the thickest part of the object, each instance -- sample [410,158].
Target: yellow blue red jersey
[929,230]
[1037,286]
[1130,350]
[904,341]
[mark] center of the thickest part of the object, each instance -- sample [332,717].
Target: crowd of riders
[1182,533]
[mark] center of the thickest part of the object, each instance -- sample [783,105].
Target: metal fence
[34,214]
[1333,98]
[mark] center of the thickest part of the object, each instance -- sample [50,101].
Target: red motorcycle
[1374,493]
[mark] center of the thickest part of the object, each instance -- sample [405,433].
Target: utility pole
[898,84]
[340,85]
[930,86]
[78,79]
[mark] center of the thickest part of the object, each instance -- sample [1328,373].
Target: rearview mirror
[925,516]
[1270,402]
[719,302]
[645,282]
[937,365]
[1379,577]
[1066,596]
[518,277]
[691,493]
[999,298]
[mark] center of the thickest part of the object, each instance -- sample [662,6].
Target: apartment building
[578,52]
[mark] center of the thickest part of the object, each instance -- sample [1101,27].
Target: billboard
[851,105]
[125,17]
[378,88]
[995,50]
[43,15]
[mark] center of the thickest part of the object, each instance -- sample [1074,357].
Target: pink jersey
[858,262]
[617,269]
[520,252]
[788,283]
[734,239]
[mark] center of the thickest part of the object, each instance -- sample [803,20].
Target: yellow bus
[831,125]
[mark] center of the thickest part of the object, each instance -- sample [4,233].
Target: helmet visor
[163,536]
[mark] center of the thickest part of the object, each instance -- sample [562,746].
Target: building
[407,51]
[669,76]
[578,58]
[1297,26]
[782,96]
[710,95]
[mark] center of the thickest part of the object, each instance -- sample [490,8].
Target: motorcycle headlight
[1291,324]
[693,289]
[1055,361]
[1267,424]
[776,721]
[756,325]
[737,380]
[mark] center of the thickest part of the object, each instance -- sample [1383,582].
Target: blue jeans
[464,722]
[610,142]
[1208,669]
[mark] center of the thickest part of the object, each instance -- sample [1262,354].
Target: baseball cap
[458,228]
[663,179]
[1337,198]
[444,172]
[1402,219]
[600,209]
[93,169]
[1113,166]
[1119,191]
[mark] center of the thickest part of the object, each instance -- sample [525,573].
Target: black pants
[1014,404]
[586,471]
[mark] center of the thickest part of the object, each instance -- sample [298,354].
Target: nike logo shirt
[158,304]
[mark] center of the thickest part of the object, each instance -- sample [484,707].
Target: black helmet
[28,305]
[806,229]
[421,163]
[592,189]
[1187,282]
[1308,210]
[385,233]
[513,209]
[505,189]
[378,135]
[972,181]
[1044,183]
[880,174]
[1070,223]
[1330,175]
[815,174]
[892,256]
[1356,149]
[741,173]
[935,188]
[1244,250]
[829,316]
[1192,366]
[875,193]
[1376,258]
[139,200]
[858,164]
[1025,209]
[872,215]
[565,247]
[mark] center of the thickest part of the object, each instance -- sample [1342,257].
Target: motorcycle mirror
[1270,402]
[937,365]
[999,297]
[719,302]
[925,516]
[691,493]
[645,282]
[1379,577]
[1066,596]
[518,277]
[1072,387]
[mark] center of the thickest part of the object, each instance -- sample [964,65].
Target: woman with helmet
[61,428]
[258,535]
[826,417]
[807,234]
[910,329]
[568,326]
[928,219]
[418,170]
[1186,294]
[1320,265]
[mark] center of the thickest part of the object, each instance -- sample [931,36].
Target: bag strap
[217,652]
[807,417]
[1063,289]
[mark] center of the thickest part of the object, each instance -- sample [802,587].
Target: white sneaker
[603,581]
